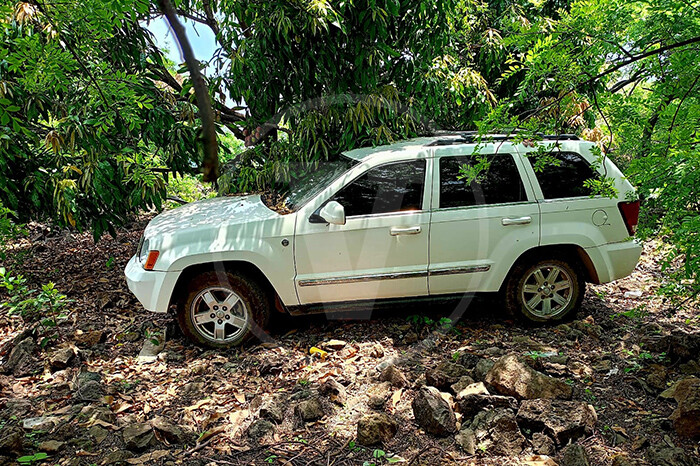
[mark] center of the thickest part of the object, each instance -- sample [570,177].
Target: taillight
[630,214]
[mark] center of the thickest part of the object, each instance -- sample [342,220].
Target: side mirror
[332,212]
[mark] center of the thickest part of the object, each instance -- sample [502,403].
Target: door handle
[396,231]
[516,221]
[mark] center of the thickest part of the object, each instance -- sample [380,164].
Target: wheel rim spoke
[220,331]
[539,276]
[553,274]
[230,301]
[209,299]
[238,322]
[203,318]
[547,305]
[531,289]
[534,301]
[559,299]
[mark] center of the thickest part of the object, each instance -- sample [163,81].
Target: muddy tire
[223,309]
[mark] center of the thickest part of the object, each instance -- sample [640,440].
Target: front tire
[548,290]
[222,309]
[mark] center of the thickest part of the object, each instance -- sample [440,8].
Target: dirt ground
[203,407]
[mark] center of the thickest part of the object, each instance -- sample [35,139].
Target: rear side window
[388,188]
[500,184]
[567,179]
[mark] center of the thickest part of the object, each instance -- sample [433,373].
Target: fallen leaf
[396,397]
[210,433]
[240,397]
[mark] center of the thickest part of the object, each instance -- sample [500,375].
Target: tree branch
[210,163]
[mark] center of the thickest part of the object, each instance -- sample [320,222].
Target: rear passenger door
[478,229]
[570,214]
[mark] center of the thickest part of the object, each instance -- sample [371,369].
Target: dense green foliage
[95,122]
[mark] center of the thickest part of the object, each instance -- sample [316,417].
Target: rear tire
[546,290]
[222,309]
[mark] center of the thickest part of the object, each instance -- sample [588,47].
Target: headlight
[143,250]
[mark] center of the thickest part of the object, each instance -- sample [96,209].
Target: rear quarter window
[567,179]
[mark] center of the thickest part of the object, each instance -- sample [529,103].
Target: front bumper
[152,288]
[615,260]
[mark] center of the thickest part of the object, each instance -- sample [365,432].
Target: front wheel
[547,291]
[221,310]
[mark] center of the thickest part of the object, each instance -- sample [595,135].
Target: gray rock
[333,390]
[309,410]
[89,391]
[22,361]
[89,339]
[171,432]
[561,420]
[445,374]
[51,446]
[542,444]
[378,395]
[667,456]
[677,345]
[151,348]
[138,436]
[433,413]
[335,345]
[117,457]
[11,440]
[376,428]
[495,431]
[272,410]
[100,413]
[98,433]
[468,360]
[394,376]
[87,376]
[509,376]
[686,417]
[574,455]
[261,429]
[43,423]
[61,359]
[472,404]
[461,384]
[481,369]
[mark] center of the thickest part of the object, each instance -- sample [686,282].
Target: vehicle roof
[422,145]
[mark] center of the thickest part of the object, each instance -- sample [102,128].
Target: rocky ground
[113,384]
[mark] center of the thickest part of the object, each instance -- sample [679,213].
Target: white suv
[394,222]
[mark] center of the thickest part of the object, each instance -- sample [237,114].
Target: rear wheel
[547,290]
[221,310]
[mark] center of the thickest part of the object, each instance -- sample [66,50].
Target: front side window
[567,178]
[394,187]
[499,184]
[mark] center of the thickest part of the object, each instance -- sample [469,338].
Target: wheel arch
[247,268]
[571,253]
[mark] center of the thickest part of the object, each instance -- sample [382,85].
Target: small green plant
[271,459]
[31,459]
[110,262]
[46,305]
[352,446]
[535,355]
[303,382]
[455,356]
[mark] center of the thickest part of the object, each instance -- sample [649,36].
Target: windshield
[306,187]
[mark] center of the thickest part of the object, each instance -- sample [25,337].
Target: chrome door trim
[459,270]
[361,278]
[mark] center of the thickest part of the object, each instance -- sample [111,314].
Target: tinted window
[389,188]
[501,183]
[565,180]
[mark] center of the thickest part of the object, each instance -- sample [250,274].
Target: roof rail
[467,137]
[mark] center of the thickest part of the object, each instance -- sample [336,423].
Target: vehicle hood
[212,213]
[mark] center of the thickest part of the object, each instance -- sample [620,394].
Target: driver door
[382,249]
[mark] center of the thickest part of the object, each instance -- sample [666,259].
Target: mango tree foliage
[85,127]
[625,74]
[93,118]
